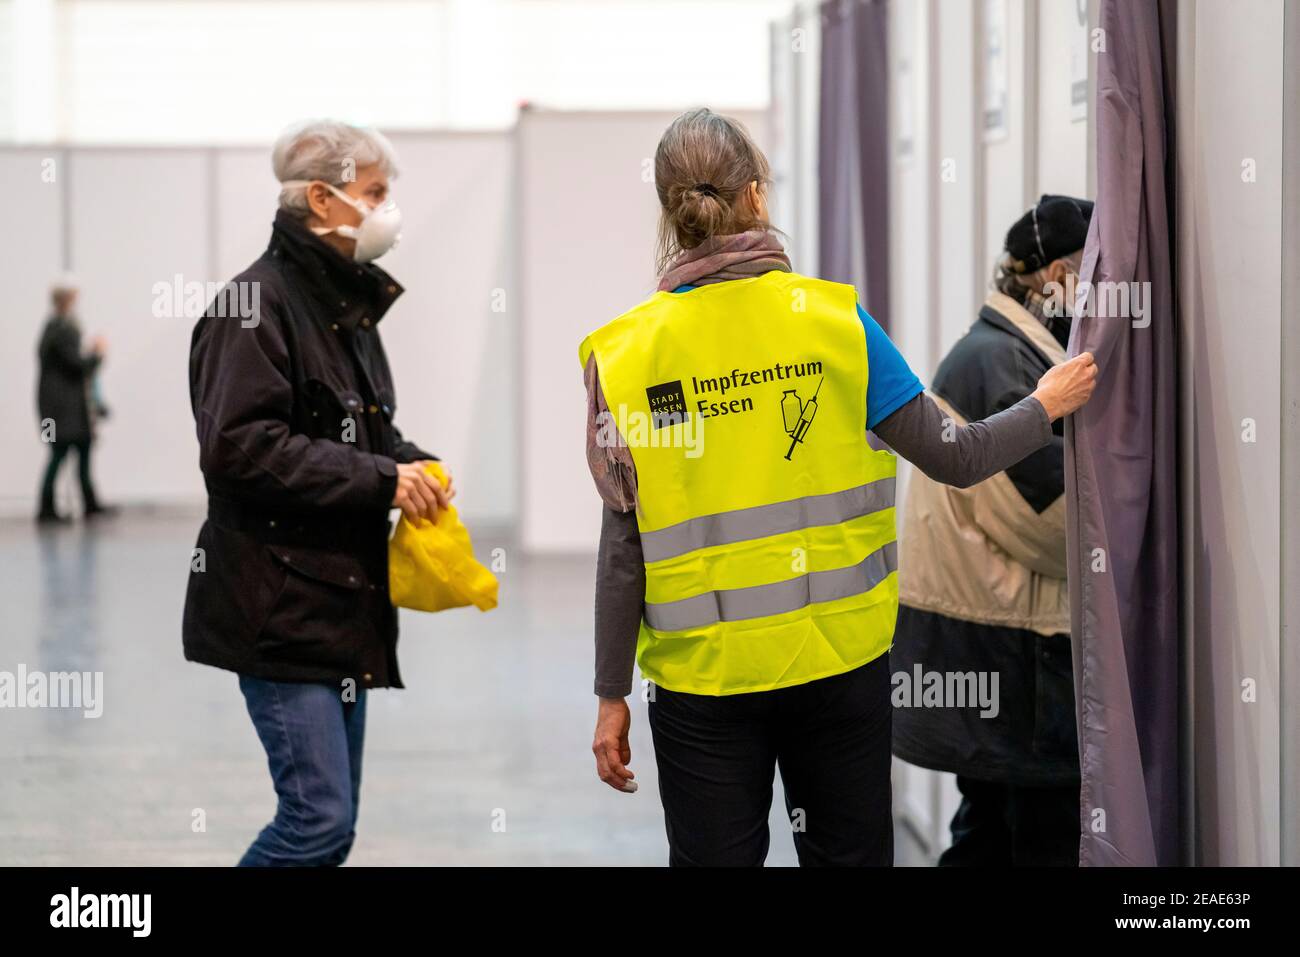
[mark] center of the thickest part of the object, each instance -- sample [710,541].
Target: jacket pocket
[336,413]
[231,590]
[321,616]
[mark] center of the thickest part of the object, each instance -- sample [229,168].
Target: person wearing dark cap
[983,577]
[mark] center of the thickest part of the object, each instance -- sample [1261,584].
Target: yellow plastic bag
[432,566]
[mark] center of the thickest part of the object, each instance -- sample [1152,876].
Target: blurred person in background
[67,400]
[983,576]
[294,406]
[755,582]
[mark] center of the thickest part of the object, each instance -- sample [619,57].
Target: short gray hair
[326,150]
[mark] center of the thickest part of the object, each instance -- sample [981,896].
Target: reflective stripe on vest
[757,601]
[763,520]
[767,521]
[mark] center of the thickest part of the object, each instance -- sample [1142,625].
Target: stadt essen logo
[667,404]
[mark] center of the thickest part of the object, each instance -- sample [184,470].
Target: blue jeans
[313,741]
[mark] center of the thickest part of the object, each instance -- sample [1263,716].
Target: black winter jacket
[294,406]
[62,393]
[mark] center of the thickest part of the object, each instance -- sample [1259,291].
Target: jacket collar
[351,294]
[1004,312]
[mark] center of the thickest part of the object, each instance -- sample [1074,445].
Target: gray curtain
[853,150]
[1121,464]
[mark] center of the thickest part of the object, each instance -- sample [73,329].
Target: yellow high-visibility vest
[767,521]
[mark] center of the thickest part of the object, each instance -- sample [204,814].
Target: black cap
[1056,227]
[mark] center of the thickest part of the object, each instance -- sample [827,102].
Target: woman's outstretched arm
[921,432]
[964,455]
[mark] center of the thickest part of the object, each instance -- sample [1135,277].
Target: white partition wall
[1061,132]
[959,183]
[1010,158]
[586,254]
[912,192]
[137,218]
[452,338]
[793,123]
[957,172]
[1231,171]
[242,202]
[30,257]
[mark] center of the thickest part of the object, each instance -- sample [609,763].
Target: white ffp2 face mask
[380,228]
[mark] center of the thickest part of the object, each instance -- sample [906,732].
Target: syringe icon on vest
[798,415]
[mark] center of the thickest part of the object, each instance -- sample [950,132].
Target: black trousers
[831,738]
[58,452]
[1002,825]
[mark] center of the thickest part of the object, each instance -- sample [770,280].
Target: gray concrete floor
[497,717]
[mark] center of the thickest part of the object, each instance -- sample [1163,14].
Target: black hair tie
[707,189]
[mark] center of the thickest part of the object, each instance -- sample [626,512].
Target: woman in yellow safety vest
[747,548]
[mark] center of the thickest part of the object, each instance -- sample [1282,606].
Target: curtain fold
[853,150]
[1121,462]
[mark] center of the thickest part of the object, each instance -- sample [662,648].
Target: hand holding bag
[431,566]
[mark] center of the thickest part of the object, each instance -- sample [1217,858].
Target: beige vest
[983,554]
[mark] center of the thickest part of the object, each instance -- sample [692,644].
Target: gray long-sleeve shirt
[969,454]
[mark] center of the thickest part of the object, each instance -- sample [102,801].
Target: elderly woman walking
[294,403]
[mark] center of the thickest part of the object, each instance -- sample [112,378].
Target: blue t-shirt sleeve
[891,383]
